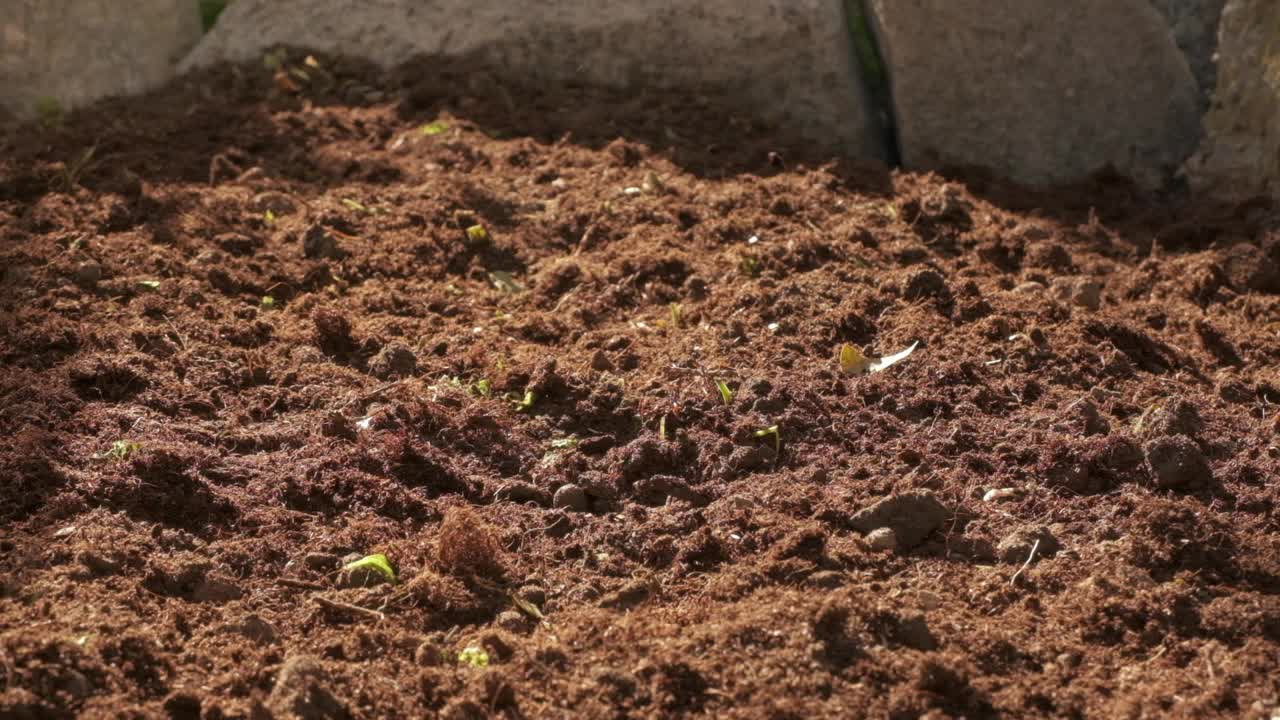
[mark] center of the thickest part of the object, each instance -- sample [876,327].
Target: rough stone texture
[1041,92]
[1194,24]
[77,51]
[788,60]
[302,691]
[1241,151]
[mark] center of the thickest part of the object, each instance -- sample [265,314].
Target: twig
[299,584]
[1035,546]
[349,608]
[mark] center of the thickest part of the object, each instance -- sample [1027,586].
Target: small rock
[89,273]
[998,494]
[75,684]
[1029,287]
[882,539]
[1175,462]
[302,691]
[913,631]
[215,589]
[98,564]
[911,516]
[513,621]
[256,629]
[570,497]
[319,243]
[320,561]
[1016,548]
[394,360]
[1084,292]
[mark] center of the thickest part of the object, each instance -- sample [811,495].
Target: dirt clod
[910,516]
[302,691]
[570,497]
[1175,462]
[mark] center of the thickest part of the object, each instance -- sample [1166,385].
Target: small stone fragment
[89,273]
[570,497]
[320,561]
[1016,548]
[256,629]
[882,539]
[319,243]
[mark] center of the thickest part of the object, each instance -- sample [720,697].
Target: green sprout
[378,563]
[725,393]
[121,450]
[474,656]
[526,403]
[437,127]
[269,217]
[677,315]
[662,428]
[777,436]
[149,284]
[749,266]
[483,387]
[268,302]
[568,443]
[478,234]
[356,205]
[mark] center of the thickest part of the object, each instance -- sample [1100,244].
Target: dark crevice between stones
[875,75]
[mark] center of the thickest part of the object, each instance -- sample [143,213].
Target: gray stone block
[1041,92]
[783,60]
[1240,155]
[59,54]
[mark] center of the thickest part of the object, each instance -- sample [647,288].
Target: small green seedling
[437,127]
[526,402]
[725,393]
[356,205]
[749,266]
[662,428]
[528,608]
[149,284]
[477,234]
[269,217]
[474,656]
[268,302]
[121,450]
[777,436]
[74,170]
[568,443]
[378,562]
[483,387]
[677,315]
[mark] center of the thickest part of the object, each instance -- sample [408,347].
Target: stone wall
[1040,91]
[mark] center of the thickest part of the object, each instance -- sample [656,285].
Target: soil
[255,335]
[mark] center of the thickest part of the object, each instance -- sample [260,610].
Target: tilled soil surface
[256,327]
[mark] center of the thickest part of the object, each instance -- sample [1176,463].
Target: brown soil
[551,442]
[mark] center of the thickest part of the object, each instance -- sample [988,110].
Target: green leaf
[677,315]
[437,127]
[725,393]
[377,562]
[121,450]
[777,436]
[567,443]
[269,217]
[268,302]
[477,234]
[483,387]
[355,205]
[749,266]
[474,656]
[526,403]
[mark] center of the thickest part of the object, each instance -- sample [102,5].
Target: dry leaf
[853,362]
